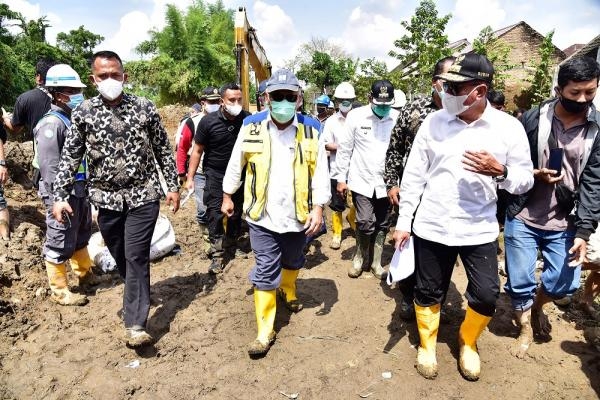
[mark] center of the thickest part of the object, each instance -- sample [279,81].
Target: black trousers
[372,214]
[434,267]
[127,235]
[337,203]
[213,199]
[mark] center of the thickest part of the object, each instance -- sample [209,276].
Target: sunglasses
[455,88]
[280,96]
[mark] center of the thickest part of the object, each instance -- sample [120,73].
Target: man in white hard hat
[68,241]
[333,132]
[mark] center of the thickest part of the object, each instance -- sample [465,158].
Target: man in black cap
[361,158]
[460,157]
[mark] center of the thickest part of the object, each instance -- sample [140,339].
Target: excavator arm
[248,53]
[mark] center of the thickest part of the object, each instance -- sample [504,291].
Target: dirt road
[338,347]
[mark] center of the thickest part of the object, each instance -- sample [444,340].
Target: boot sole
[258,349]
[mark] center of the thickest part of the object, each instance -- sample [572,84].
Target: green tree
[325,73]
[497,51]
[369,71]
[192,51]
[422,47]
[78,42]
[307,50]
[541,80]
[8,18]
[21,51]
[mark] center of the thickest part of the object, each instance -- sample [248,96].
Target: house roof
[503,31]
[589,49]
[572,49]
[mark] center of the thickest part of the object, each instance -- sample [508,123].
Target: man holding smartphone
[558,215]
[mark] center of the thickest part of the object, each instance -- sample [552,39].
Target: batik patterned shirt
[408,123]
[125,146]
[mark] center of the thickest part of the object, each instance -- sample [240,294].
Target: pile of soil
[348,342]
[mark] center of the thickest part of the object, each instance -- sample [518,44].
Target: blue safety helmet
[323,99]
[262,86]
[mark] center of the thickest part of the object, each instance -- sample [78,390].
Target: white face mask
[345,109]
[210,108]
[110,88]
[233,109]
[454,105]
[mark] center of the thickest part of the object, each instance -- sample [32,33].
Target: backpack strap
[60,116]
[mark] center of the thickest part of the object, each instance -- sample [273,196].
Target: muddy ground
[338,347]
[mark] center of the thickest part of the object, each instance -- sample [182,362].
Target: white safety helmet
[62,75]
[399,99]
[344,90]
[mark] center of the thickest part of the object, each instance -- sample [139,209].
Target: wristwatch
[2,163]
[501,178]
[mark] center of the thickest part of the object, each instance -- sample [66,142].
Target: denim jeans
[521,244]
[3,203]
[199,184]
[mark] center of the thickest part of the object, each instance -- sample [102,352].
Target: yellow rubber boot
[265,305]
[351,218]
[81,263]
[287,289]
[428,322]
[60,293]
[336,227]
[470,329]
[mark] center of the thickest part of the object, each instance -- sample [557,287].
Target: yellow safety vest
[256,148]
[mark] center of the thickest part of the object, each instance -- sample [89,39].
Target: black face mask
[574,107]
[321,110]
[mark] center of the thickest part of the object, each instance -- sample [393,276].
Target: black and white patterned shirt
[121,144]
[408,123]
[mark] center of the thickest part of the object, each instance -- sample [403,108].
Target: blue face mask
[381,110]
[75,100]
[283,111]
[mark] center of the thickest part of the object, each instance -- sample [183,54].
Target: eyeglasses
[455,88]
[291,97]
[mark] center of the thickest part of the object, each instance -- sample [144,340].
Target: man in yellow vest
[286,187]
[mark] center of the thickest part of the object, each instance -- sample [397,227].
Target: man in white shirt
[334,130]
[361,158]
[459,157]
[286,187]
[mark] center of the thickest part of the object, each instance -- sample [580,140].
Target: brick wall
[524,54]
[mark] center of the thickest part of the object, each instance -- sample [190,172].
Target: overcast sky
[365,28]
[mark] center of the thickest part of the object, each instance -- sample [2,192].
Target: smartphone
[555,160]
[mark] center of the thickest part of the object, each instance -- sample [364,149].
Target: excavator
[249,53]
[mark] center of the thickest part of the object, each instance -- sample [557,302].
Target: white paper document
[402,264]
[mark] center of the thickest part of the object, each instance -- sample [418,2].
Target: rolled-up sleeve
[518,163]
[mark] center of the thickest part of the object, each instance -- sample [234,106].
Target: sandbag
[163,238]
[162,243]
